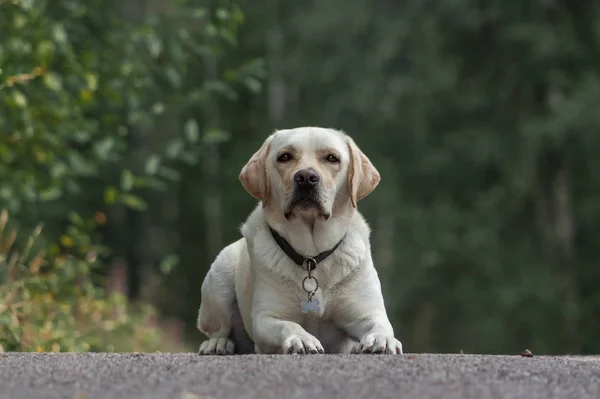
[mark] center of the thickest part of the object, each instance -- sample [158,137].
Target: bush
[57,302]
[79,86]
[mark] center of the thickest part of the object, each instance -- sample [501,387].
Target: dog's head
[308,171]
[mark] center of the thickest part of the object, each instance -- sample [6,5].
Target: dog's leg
[274,335]
[376,334]
[276,314]
[362,315]
[215,316]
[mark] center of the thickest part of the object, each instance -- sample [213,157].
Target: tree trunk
[276,84]
[210,164]
[555,221]
[564,233]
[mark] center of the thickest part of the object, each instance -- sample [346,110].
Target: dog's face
[308,171]
[309,168]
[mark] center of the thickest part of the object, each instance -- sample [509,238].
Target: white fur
[252,292]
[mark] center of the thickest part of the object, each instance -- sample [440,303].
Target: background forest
[124,125]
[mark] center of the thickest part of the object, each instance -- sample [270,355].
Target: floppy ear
[362,175]
[254,175]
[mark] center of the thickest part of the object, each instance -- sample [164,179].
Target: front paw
[380,344]
[302,345]
[217,346]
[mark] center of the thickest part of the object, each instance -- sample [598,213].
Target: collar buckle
[309,264]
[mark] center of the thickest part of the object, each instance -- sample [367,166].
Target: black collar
[295,256]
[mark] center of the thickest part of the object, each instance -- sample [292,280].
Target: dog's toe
[294,347]
[380,344]
[217,346]
[302,345]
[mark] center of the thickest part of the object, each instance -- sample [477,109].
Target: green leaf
[221,88]
[45,49]
[156,184]
[216,136]
[229,37]
[169,173]
[168,263]
[134,202]
[126,68]
[192,131]
[50,194]
[210,29]
[253,84]
[173,76]
[92,81]
[152,164]
[158,108]
[19,21]
[58,170]
[26,4]
[19,99]
[110,195]
[79,165]
[154,44]
[174,148]
[104,147]
[76,219]
[238,15]
[52,81]
[59,34]
[222,14]
[189,157]
[230,74]
[199,13]
[82,136]
[127,180]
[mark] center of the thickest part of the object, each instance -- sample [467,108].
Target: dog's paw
[380,344]
[302,345]
[217,346]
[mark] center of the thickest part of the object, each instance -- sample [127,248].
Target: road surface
[189,376]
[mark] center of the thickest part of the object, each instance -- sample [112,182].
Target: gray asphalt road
[188,376]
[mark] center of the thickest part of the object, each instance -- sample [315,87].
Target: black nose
[306,178]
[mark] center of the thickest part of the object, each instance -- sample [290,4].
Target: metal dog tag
[310,305]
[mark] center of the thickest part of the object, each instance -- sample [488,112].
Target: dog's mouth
[305,202]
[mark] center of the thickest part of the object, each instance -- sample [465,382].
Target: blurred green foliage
[77,80]
[55,303]
[482,118]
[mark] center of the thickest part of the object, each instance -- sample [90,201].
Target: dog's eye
[332,158]
[284,157]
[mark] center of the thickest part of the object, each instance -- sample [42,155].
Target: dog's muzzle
[307,182]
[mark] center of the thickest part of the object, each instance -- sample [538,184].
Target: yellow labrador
[301,280]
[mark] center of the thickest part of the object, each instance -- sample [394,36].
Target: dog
[301,280]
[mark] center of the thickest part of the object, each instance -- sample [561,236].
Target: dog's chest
[324,279]
[313,322]
[315,291]
[316,307]
[313,312]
